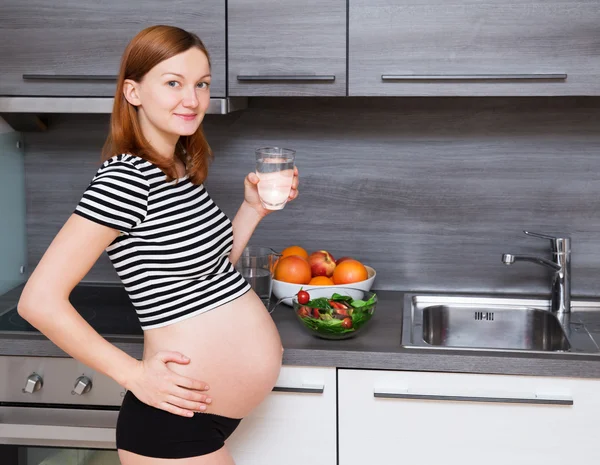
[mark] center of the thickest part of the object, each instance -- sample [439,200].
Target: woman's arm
[250,213]
[45,300]
[245,222]
[45,304]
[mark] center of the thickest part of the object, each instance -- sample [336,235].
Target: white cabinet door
[446,418]
[295,425]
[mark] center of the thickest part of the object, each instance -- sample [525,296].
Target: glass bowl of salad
[339,315]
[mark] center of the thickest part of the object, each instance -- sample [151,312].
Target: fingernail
[203,407]
[206,388]
[208,400]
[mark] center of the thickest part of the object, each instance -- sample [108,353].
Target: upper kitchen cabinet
[287,47]
[74,47]
[474,47]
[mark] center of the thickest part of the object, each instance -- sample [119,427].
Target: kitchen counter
[378,347]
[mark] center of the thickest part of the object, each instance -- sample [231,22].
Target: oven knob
[83,384]
[34,383]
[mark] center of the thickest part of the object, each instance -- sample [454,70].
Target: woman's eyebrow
[183,77]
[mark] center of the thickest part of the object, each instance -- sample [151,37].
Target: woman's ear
[131,92]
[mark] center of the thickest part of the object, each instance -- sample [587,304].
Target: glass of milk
[275,171]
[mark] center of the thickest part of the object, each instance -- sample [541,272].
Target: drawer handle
[286,78]
[473,77]
[304,389]
[508,400]
[68,77]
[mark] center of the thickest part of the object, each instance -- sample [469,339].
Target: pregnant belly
[235,348]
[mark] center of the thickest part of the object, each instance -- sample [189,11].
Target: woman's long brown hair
[148,48]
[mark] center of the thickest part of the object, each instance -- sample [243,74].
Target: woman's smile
[187,116]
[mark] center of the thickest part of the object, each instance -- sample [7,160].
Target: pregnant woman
[211,350]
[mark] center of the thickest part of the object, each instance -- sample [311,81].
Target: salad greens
[324,302]
[338,316]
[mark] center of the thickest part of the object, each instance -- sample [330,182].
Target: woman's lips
[187,117]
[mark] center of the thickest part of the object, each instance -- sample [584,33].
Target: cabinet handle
[508,400]
[305,389]
[68,77]
[473,77]
[287,78]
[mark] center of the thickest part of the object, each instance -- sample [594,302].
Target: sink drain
[487,316]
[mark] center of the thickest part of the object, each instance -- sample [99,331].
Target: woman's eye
[203,85]
[172,83]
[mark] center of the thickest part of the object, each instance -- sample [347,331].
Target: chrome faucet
[560,264]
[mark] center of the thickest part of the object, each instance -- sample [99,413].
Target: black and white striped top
[173,251]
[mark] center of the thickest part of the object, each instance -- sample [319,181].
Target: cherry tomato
[303,312]
[303,297]
[316,313]
[347,323]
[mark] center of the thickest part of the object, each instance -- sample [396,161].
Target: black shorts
[146,430]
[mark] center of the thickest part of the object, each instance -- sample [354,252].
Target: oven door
[57,436]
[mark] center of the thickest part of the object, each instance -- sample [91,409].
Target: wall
[4,127]
[13,230]
[430,192]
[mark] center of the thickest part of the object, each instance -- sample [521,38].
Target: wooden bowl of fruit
[296,270]
[339,315]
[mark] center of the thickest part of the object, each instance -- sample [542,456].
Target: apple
[340,260]
[321,263]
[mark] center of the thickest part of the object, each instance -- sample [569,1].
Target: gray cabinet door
[474,47]
[286,47]
[82,41]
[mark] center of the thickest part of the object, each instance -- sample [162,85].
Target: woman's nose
[190,99]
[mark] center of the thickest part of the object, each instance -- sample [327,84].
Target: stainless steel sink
[527,329]
[494,323]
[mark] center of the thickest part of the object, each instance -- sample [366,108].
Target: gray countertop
[378,347]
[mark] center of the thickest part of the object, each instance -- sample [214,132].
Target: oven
[55,410]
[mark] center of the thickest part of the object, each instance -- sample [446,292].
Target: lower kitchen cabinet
[295,425]
[446,418]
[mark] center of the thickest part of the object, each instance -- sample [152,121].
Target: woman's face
[173,97]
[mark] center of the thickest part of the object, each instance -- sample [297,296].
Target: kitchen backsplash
[13,249]
[430,192]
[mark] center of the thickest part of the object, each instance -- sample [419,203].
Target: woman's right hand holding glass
[156,385]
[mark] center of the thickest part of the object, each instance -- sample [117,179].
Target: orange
[293,269]
[349,271]
[321,281]
[294,250]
